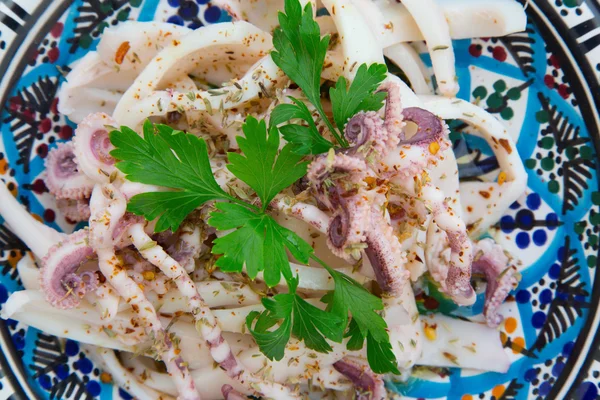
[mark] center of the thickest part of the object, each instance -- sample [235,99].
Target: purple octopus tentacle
[451,266]
[82,283]
[108,207]
[367,384]
[74,210]
[346,170]
[412,156]
[120,230]
[92,147]
[63,178]
[501,277]
[205,321]
[346,231]
[229,393]
[366,133]
[394,115]
[384,252]
[430,128]
[58,275]
[338,183]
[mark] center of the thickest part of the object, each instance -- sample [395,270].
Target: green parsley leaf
[300,53]
[349,295]
[380,356]
[310,320]
[168,158]
[284,113]
[261,167]
[298,317]
[258,242]
[271,343]
[357,340]
[306,139]
[346,102]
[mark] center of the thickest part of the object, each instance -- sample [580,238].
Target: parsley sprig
[366,322]
[306,139]
[168,158]
[300,52]
[263,167]
[294,315]
[360,96]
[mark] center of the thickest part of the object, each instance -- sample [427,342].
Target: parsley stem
[340,139]
[244,204]
[323,264]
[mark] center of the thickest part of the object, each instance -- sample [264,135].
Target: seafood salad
[264,206]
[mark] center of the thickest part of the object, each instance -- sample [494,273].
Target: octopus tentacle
[430,128]
[119,236]
[449,251]
[83,283]
[394,114]
[62,286]
[421,151]
[384,252]
[338,183]
[186,247]
[92,147]
[205,320]
[63,177]
[108,207]
[74,210]
[308,213]
[229,393]
[367,384]
[501,277]
[365,131]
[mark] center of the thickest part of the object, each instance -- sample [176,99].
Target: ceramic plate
[542,84]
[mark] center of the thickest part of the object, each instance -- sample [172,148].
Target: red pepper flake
[101,277]
[122,52]
[505,143]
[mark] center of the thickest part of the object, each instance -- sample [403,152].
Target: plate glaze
[542,84]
